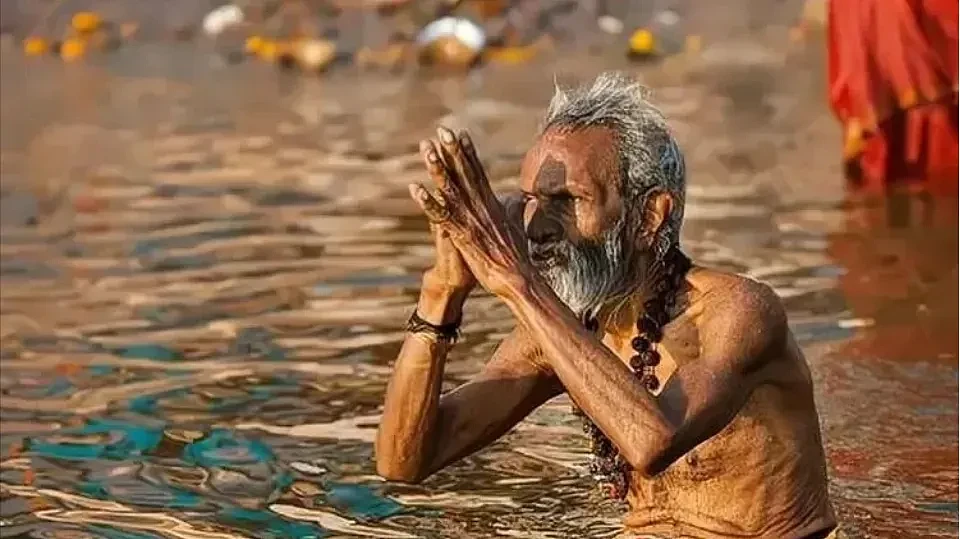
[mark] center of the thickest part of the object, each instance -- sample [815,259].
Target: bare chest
[680,346]
[767,461]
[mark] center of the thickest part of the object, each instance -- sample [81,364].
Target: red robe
[893,85]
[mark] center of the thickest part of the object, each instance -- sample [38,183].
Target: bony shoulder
[724,289]
[729,299]
[743,313]
[755,300]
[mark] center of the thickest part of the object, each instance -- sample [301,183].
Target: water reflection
[892,386]
[201,301]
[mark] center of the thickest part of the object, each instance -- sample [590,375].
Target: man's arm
[421,431]
[700,399]
[748,332]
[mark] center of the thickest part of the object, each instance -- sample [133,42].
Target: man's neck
[619,318]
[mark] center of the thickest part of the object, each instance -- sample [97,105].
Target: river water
[205,270]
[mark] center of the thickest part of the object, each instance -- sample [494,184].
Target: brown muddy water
[205,271]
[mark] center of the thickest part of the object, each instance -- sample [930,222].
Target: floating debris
[610,25]
[86,22]
[314,55]
[254,45]
[667,18]
[643,45]
[36,46]
[222,18]
[517,54]
[451,41]
[73,49]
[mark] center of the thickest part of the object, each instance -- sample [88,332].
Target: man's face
[574,217]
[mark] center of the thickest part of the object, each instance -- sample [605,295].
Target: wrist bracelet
[448,333]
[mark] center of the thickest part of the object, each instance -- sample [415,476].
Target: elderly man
[697,400]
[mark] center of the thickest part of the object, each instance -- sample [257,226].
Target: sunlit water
[205,271]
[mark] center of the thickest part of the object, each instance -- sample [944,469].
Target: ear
[656,210]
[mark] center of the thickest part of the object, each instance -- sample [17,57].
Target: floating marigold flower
[642,43]
[254,45]
[511,55]
[267,51]
[36,46]
[73,49]
[86,22]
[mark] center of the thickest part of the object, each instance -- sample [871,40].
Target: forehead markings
[551,177]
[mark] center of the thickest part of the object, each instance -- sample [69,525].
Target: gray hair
[649,155]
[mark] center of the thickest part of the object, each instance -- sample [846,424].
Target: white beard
[590,275]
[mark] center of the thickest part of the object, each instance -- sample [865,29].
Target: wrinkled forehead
[583,159]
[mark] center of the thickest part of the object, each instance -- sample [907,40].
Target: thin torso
[763,475]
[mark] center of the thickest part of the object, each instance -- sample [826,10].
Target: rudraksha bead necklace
[608,466]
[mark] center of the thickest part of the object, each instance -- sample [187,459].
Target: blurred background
[207,253]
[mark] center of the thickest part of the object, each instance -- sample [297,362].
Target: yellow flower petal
[73,49]
[86,21]
[36,46]
[254,44]
[511,55]
[642,42]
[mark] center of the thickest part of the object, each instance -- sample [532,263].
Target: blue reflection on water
[222,448]
[270,525]
[156,352]
[133,440]
[218,449]
[171,498]
[361,501]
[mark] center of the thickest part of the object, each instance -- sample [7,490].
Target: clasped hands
[464,209]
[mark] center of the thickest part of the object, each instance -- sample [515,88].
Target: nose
[541,229]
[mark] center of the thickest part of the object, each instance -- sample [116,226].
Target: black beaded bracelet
[448,333]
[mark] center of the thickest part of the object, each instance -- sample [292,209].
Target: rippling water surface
[205,270]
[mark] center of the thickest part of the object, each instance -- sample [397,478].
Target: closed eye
[559,198]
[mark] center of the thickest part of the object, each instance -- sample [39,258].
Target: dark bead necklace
[607,465]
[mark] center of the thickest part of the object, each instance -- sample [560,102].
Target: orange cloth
[893,85]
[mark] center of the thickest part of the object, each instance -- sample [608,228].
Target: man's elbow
[654,458]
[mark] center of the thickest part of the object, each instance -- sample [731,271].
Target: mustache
[548,254]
